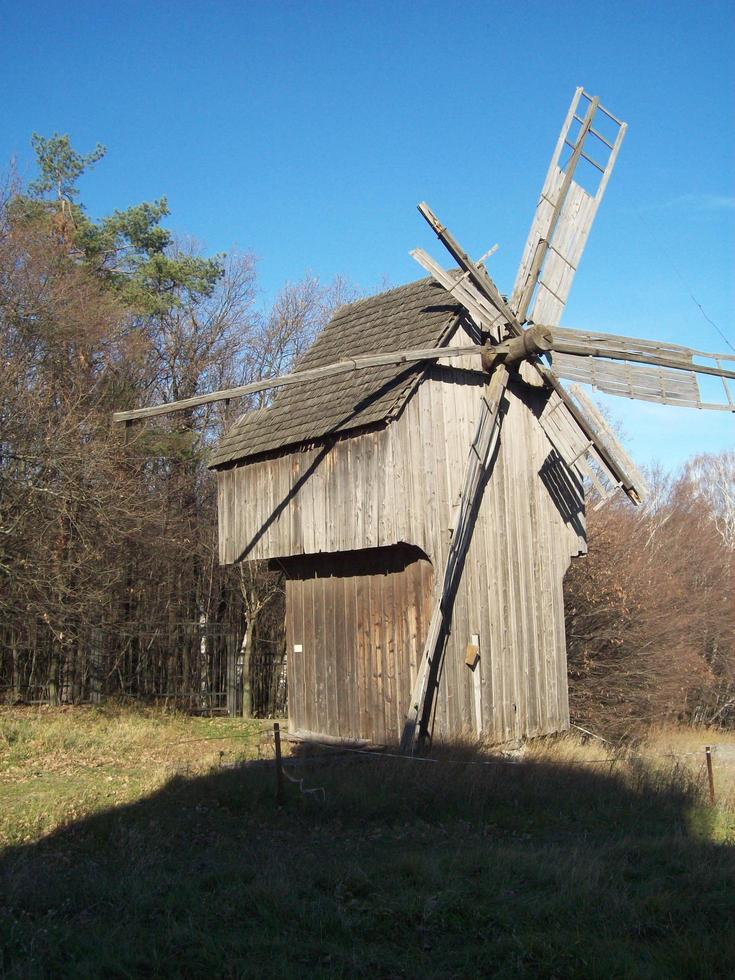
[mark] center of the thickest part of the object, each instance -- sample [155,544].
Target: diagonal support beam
[417,724]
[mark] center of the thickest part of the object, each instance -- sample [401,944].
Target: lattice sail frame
[674,381]
[564,213]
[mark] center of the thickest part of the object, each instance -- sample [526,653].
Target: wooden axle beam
[537,340]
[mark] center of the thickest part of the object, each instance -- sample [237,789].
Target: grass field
[135,845]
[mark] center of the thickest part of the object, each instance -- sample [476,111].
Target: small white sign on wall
[297,648]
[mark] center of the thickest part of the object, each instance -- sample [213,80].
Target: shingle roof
[420,314]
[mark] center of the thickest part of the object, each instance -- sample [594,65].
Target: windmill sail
[652,384]
[647,370]
[565,211]
[581,453]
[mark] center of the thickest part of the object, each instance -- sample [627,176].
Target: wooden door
[355,628]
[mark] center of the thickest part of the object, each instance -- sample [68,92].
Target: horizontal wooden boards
[649,383]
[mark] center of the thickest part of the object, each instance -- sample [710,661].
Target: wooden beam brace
[300,377]
[417,724]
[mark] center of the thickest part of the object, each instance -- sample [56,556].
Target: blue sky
[307,133]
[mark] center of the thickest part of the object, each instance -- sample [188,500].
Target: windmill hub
[538,340]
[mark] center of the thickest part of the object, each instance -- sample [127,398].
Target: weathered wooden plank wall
[399,484]
[355,627]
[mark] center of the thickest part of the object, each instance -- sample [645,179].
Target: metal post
[710,775]
[280,799]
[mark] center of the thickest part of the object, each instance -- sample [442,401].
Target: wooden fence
[191,666]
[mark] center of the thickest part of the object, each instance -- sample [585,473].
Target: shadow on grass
[406,869]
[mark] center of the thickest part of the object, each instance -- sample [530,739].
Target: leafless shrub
[651,610]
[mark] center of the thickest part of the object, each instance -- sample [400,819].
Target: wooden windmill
[424,577]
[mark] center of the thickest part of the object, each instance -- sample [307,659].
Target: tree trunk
[53,673]
[95,666]
[247,652]
[16,682]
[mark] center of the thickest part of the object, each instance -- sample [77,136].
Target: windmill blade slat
[591,457]
[477,274]
[652,383]
[649,370]
[649,383]
[650,353]
[609,437]
[458,285]
[575,449]
[635,345]
[557,274]
[610,464]
[563,217]
[544,210]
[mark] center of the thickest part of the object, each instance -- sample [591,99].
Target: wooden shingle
[421,314]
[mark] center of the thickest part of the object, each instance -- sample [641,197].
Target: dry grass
[548,862]
[59,765]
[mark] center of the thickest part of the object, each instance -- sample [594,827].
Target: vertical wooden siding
[400,484]
[360,621]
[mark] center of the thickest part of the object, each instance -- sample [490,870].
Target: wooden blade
[654,384]
[586,444]
[608,436]
[568,408]
[477,274]
[650,370]
[565,212]
[651,384]
[485,317]
[637,350]
[300,377]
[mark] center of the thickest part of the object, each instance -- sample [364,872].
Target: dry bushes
[651,610]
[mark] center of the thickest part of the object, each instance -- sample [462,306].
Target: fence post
[280,800]
[710,774]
